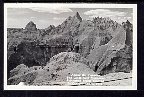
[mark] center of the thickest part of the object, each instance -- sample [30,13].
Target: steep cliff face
[96,33]
[106,52]
[106,44]
[114,56]
[129,35]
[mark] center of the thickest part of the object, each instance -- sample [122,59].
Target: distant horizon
[45,28]
[43,17]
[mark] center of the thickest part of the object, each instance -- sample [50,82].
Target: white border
[71,5]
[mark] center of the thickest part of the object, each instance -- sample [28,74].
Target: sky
[44,16]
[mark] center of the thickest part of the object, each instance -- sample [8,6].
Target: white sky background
[43,16]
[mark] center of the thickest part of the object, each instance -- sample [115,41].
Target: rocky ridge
[106,44]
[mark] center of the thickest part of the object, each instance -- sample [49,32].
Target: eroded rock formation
[57,69]
[105,44]
[31,26]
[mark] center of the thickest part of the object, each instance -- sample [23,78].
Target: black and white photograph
[73,46]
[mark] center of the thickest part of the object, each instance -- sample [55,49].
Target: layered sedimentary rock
[114,56]
[101,56]
[106,44]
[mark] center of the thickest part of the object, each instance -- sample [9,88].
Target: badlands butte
[40,56]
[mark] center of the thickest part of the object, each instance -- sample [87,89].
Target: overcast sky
[45,16]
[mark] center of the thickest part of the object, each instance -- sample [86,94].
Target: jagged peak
[69,17]
[31,26]
[52,26]
[102,18]
[31,22]
[128,22]
[77,15]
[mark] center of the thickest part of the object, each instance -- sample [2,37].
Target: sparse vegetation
[98,46]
